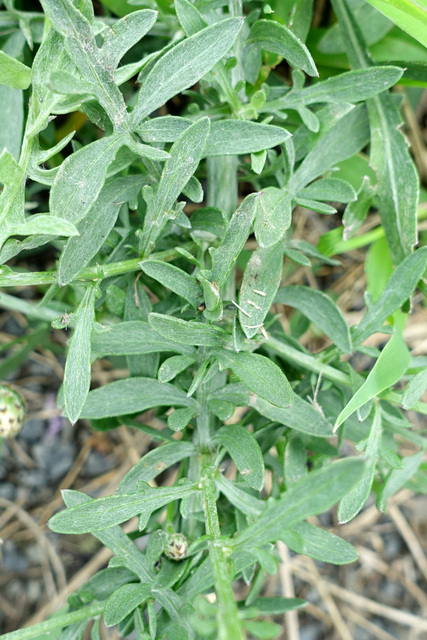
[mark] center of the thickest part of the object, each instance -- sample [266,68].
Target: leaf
[155,462]
[320,309]
[245,502]
[416,387]
[13,73]
[132,395]
[179,418]
[273,216]
[408,15]
[12,196]
[314,205]
[124,33]
[77,368]
[261,280]
[185,154]
[245,452]
[81,177]
[184,65]
[301,416]
[171,367]
[276,605]
[45,224]
[133,337]
[260,375]
[224,257]
[355,213]
[100,514]
[123,601]
[319,544]
[335,145]
[277,38]
[12,101]
[188,332]
[189,17]
[392,363]
[175,279]
[400,286]
[397,478]
[330,189]
[314,494]
[240,137]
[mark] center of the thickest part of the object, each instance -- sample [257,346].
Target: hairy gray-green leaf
[273,216]
[355,212]
[302,416]
[319,544]
[320,309]
[184,65]
[277,38]
[96,515]
[245,502]
[245,452]
[133,337]
[123,34]
[260,375]
[331,189]
[259,286]
[416,387]
[132,395]
[174,365]
[13,73]
[188,332]
[77,367]
[314,494]
[175,279]
[224,257]
[124,600]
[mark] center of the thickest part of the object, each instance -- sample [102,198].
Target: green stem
[229,627]
[57,622]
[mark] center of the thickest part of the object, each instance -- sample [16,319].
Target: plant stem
[229,626]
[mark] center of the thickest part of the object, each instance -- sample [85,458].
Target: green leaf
[277,38]
[314,494]
[45,224]
[81,177]
[388,369]
[123,601]
[245,452]
[184,65]
[260,375]
[273,216]
[185,156]
[314,205]
[406,14]
[133,337]
[13,73]
[261,280]
[295,460]
[188,333]
[301,416]
[262,629]
[416,387]
[239,137]
[124,33]
[224,257]
[320,309]
[245,502]
[179,418]
[330,189]
[397,290]
[155,462]
[12,101]
[132,395]
[97,515]
[319,544]
[398,477]
[276,605]
[171,367]
[175,279]
[77,368]
[355,213]
[189,17]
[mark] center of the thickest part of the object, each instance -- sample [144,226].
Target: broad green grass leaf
[245,452]
[261,280]
[388,369]
[330,189]
[398,477]
[224,257]
[398,186]
[81,177]
[314,494]
[277,38]
[95,226]
[174,365]
[184,65]
[133,337]
[416,387]
[320,309]
[260,375]
[398,289]
[185,154]
[155,462]
[123,34]
[273,216]
[319,544]
[346,138]
[97,515]
[132,395]
[301,416]
[188,332]
[13,73]
[77,367]
[123,601]
[406,14]
[175,279]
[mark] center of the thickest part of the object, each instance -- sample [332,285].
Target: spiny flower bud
[176,547]
[12,411]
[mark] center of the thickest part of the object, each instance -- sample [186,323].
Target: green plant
[251,143]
